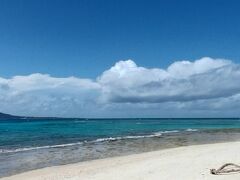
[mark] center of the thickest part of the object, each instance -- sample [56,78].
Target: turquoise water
[28,133]
[27,144]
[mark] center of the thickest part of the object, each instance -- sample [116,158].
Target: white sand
[184,163]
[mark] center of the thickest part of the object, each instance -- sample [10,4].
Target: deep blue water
[27,133]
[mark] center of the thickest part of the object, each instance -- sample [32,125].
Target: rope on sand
[222,169]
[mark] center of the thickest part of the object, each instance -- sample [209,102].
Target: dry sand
[183,163]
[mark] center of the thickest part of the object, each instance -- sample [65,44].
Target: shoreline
[188,162]
[20,162]
[24,149]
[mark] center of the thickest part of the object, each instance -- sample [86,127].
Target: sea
[28,144]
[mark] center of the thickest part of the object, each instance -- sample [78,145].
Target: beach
[182,163]
[119,90]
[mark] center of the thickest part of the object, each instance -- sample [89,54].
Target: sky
[121,58]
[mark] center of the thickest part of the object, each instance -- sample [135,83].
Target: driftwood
[222,169]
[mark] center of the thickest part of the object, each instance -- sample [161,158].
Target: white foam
[38,147]
[191,130]
[172,131]
[156,134]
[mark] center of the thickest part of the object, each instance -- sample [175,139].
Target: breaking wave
[156,134]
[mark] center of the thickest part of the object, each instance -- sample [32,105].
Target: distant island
[9,116]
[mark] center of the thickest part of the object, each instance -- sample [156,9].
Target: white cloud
[41,94]
[205,78]
[184,69]
[185,87]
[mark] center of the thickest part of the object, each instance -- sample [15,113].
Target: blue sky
[83,38]
[63,58]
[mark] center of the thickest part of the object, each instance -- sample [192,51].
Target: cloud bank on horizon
[206,87]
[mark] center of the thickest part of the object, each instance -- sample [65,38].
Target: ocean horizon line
[11,116]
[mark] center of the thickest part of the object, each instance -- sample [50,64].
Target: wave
[140,123]
[38,147]
[156,134]
[127,137]
[191,130]
[172,131]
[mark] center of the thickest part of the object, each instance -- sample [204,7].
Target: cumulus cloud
[205,84]
[42,94]
[205,78]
